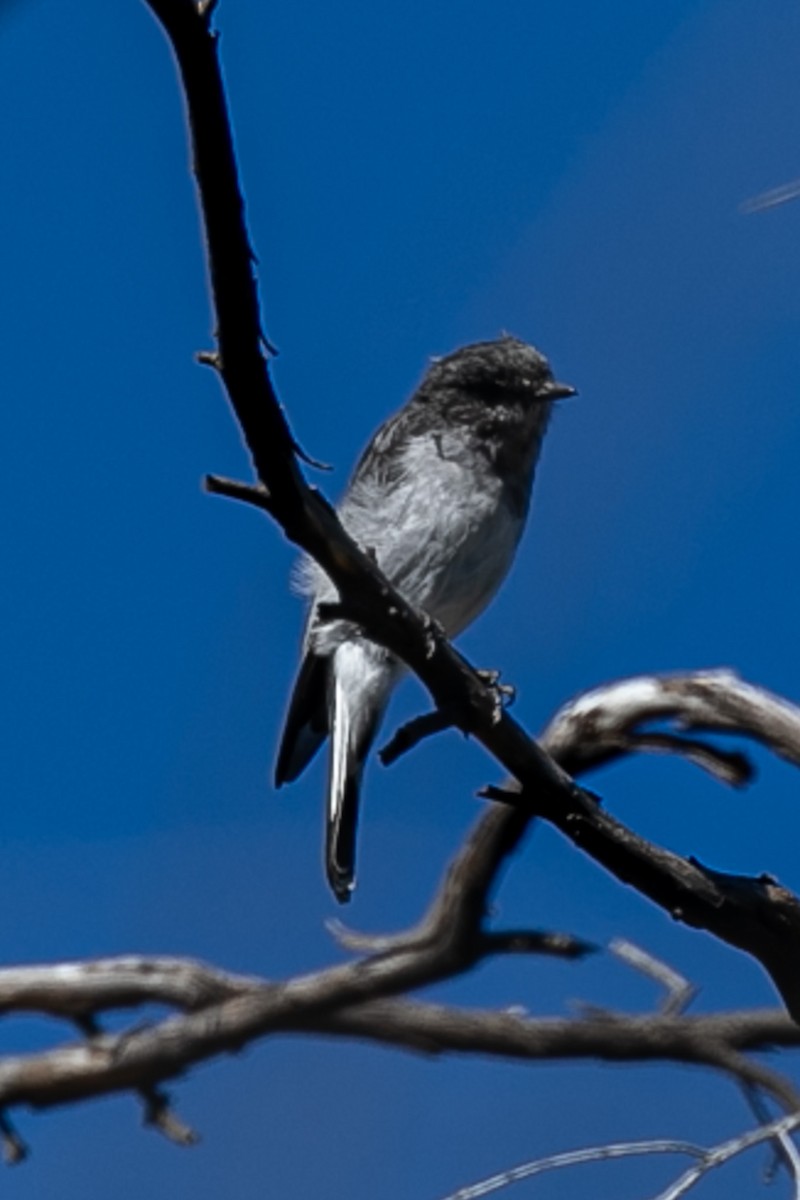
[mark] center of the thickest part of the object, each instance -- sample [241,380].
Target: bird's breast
[444,532]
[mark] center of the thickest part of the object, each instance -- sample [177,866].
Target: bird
[439,498]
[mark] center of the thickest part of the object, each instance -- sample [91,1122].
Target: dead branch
[754,915]
[77,990]
[592,729]
[705,1159]
[220,1013]
[143,1057]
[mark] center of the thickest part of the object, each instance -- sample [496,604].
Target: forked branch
[219,1013]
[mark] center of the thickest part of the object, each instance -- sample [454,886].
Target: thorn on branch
[159,1115]
[209,358]
[503,795]
[514,798]
[248,493]
[14,1149]
[308,460]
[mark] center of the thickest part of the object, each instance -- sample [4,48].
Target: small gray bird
[440,497]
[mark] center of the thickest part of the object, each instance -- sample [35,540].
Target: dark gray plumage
[440,496]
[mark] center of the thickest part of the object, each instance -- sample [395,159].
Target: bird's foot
[504,693]
[434,634]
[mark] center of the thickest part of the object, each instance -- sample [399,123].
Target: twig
[785,1151]
[408,736]
[725,1151]
[590,729]
[772,198]
[14,1149]
[574,1158]
[679,992]
[159,1115]
[707,1159]
[234,489]
[728,766]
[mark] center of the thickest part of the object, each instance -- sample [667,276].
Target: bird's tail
[359,688]
[344,790]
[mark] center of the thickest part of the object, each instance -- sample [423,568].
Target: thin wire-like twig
[707,1159]
[721,1154]
[574,1158]
[679,992]
[771,198]
[785,1150]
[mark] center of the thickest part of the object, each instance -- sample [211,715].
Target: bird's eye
[493,387]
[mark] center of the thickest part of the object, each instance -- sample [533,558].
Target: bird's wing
[306,724]
[382,460]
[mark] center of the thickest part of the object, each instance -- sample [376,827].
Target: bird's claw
[504,694]
[434,633]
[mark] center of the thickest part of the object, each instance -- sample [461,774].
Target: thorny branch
[216,1012]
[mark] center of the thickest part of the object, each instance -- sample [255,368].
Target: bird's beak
[556,391]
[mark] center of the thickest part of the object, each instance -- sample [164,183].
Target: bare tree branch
[707,1160]
[754,915]
[725,1151]
[586,732]
[74,990]
[575,1158]
[219,1012]
[785,1151]
[223,1012]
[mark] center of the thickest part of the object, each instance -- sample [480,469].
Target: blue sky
[416,176]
